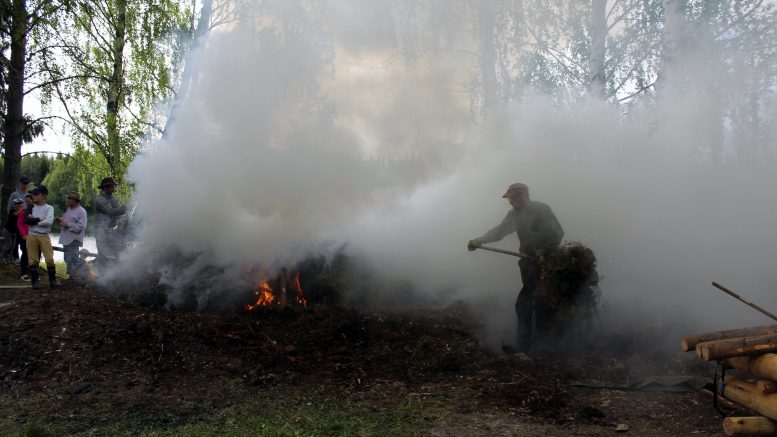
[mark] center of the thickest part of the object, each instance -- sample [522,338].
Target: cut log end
[766,386]
[745,426]
[746,394]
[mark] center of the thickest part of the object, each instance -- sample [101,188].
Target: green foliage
[90,170]
[79,172]
[62,178]
[125,57]
[560,41]
[36,167]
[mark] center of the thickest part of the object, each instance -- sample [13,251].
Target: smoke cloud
[299,138]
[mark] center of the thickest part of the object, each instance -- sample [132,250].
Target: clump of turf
[568,293]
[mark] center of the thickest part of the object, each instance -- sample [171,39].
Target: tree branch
[612,9]
[137,118]
[45,49]
[637,92]
[71,120]
[544,47]
[634,67]
[740,19]
[38,17]
[61,79]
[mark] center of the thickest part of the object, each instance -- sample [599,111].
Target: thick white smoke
[279,153]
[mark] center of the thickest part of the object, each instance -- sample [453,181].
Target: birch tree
[128,53]
[672,36]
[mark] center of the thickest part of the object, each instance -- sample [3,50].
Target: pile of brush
[568,293]
[752,352]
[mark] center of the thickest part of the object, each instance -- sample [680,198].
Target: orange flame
[298,290]
[265,294]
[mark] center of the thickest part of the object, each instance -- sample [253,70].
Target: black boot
[52,276]
[34,278]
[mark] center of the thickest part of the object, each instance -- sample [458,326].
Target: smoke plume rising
[298,138]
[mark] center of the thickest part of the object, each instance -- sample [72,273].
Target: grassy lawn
[261,415]
[10,274]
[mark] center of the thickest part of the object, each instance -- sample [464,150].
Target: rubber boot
[34,278]
[52,277]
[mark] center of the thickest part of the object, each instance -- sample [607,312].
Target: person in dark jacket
[9,253]
[24,230]
[110,241]
[540,235]
[12,224]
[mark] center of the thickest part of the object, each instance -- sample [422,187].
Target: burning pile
[751,351]
[286,292]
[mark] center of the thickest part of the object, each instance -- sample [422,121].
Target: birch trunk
[596,82]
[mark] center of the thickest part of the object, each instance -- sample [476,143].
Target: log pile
[752,352]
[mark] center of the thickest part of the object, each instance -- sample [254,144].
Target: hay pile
[568,293]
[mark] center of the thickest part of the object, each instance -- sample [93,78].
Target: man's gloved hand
[472,245]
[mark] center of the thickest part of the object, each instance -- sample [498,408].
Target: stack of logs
[752,350]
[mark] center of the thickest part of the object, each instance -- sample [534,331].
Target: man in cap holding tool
[540,234]
[106,210]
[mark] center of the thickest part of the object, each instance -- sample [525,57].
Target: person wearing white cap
[540,234]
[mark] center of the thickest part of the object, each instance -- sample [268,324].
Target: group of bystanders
[28,226]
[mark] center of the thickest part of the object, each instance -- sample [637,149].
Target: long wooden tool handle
[78,252]
[506,252]
[743,300]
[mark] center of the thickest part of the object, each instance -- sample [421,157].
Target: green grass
[258,417]
[10,274]
[59,265]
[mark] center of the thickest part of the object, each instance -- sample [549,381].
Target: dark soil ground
[79,361]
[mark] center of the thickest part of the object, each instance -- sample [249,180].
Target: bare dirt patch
[74,357]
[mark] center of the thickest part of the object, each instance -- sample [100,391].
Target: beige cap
[516,188]
[73,195]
